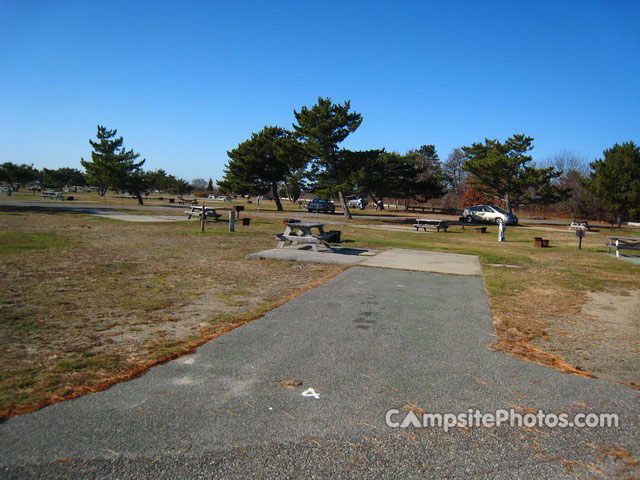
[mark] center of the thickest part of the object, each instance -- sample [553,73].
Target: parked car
[218,198]
[490,214]
[320,205]
[361,203]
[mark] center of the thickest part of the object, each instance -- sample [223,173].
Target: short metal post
[232,220]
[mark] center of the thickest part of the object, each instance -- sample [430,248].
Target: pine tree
[112,166]
[615,181]
[323,127]
[504,171]
[260,164]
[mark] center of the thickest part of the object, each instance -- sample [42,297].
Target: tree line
[111,167]
[308,158]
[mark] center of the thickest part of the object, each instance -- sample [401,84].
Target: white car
[490,214]
[361,203]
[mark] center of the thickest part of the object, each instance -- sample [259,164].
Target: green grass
[87,361]
[19,242]
[562,265]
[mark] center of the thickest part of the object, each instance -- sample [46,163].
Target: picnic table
[302,232]
[52,194]
[208,211]
[433,223]
[622,243]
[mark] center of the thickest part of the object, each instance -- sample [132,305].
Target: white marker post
[501,230]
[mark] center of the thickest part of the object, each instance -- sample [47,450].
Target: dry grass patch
[100,301]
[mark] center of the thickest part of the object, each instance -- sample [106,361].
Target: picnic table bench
[302,232]
[433,223]
[208,211]
[53,195]
[622,243]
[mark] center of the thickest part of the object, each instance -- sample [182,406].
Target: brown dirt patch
[584,333]
[600,337]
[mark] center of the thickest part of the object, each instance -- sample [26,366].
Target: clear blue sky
[186,81]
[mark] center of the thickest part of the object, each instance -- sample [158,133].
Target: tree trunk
[276,197]
[102,191]
[507,204]
[379,206]
[343,203]
[139,197]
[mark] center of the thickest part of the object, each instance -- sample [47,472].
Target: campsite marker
[310,392]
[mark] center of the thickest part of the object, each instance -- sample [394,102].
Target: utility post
[580,235]
[203,216]
[232,220]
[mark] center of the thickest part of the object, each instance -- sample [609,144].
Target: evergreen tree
[62,177]
[112,166]
[615,181]
[18,176]
[210,185]
[323,127]
[158,180]
[260,164]
[504,171]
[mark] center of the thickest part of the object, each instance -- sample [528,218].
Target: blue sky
[184,82]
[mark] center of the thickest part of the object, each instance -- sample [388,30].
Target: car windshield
[499,210]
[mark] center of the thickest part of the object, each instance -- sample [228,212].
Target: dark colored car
[319,205]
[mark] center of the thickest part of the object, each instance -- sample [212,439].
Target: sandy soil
[604,338]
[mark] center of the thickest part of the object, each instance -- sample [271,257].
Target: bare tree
[454,173]
[568,160]
[574,168]
[199,184]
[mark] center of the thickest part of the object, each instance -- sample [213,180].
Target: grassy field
[87,301]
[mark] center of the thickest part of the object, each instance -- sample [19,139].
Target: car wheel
[498,220]
[469,219]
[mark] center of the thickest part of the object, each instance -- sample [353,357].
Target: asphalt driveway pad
[426,261]
[369,340]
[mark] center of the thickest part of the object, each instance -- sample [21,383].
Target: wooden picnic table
[52,194]
[430,222]
[622,243]
[197,210]
[302,232]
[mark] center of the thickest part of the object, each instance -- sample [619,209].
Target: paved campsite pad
[368,340]
[144,218]
[340,256]
[635,259]
[425,261]
[394,258]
